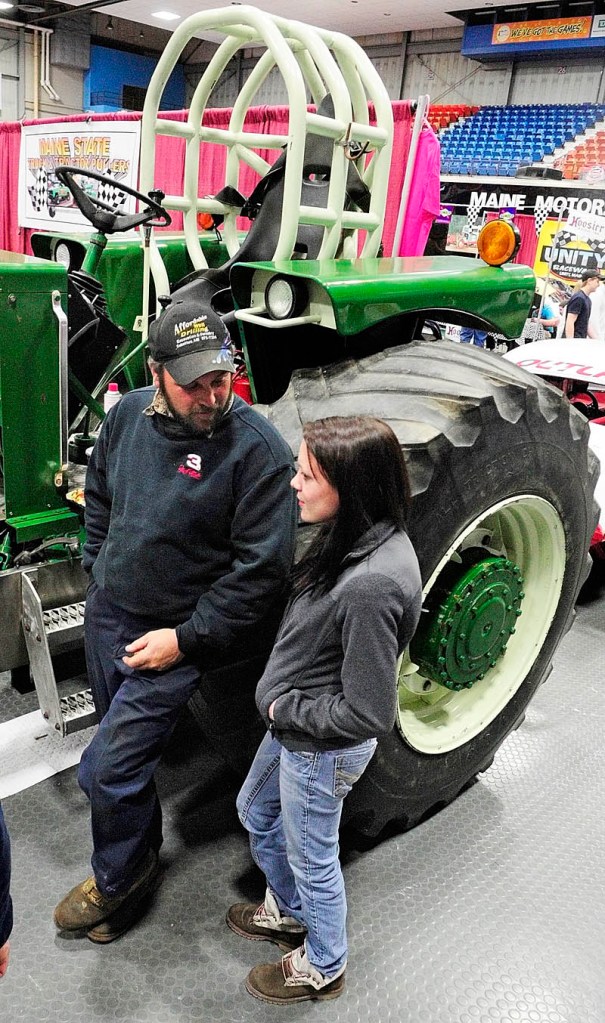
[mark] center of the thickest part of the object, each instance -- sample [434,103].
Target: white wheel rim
[530,533]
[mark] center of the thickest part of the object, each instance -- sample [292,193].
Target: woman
[328,690]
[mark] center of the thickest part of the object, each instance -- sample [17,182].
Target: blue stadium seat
[510,137]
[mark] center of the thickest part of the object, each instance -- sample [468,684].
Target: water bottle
[111,397]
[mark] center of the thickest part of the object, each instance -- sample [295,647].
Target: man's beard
[191,422]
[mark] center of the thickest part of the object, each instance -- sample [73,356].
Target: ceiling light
[5,6]
[165,16]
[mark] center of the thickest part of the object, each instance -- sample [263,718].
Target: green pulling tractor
[502,477]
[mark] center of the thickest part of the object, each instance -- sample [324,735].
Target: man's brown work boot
[85,906]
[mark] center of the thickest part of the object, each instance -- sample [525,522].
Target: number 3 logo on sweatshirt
[192,467]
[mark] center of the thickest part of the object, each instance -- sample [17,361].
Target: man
[471,335]
[6,906]
[190,524]
[579,307]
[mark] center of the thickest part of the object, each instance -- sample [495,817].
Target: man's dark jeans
[138,711]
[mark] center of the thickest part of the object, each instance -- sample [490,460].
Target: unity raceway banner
[106,147]
[565,250]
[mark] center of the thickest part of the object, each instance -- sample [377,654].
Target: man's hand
[158,649]
[4,957]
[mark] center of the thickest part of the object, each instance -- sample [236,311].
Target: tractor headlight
[285,297]
[62,255]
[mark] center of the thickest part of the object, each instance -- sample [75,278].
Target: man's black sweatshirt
[192,532]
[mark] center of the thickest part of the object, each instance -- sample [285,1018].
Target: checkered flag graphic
[597,245]
[563,238]
[472,215]
[39,191]
[540,217]
[111,194]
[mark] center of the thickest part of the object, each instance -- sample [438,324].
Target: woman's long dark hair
[361,457]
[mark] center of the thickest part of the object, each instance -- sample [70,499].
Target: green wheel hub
[469,624]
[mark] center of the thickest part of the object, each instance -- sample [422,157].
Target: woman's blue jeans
[291,804]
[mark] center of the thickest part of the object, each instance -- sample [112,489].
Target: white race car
[577,367]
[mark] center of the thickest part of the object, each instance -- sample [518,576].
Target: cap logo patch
[188,332]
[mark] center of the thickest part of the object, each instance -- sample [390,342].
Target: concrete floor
[491,912]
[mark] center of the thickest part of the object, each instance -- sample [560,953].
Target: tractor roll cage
[309,60]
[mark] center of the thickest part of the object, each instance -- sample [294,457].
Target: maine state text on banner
[105,147]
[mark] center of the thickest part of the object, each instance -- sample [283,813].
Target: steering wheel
[102,215]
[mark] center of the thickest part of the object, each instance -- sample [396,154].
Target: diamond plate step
[58,621]
[80,708]
[45,633]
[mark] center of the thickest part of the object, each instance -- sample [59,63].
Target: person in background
[579,307]
[548,316]
[597,314]
[190,528]
[6,905]
[329,689]
[473,336]
[544,318]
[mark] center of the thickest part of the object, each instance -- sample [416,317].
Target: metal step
[49,632]
[78,707]
[61,623]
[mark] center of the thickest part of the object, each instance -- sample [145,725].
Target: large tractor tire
[502,482]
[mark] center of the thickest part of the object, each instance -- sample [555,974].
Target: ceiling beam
[74,10]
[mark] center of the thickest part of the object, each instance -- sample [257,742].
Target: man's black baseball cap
[190,342]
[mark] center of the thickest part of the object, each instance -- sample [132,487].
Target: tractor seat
[265,206]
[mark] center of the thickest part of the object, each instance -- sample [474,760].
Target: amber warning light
[498,242]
